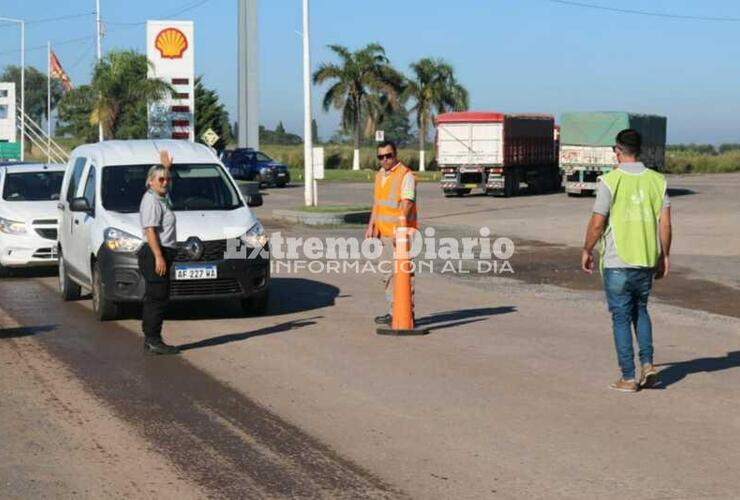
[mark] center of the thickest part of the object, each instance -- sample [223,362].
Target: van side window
[90,187]
[74,180]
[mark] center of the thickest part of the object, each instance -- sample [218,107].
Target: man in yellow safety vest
[632,218]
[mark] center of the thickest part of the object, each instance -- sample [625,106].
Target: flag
[57,72]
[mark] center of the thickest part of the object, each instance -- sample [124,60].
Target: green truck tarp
[10,150]
[601,128]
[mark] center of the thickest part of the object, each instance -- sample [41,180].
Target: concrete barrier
[322,218]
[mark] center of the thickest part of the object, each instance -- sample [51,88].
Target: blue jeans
[627,291]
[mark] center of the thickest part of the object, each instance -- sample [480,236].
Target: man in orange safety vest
[394,206]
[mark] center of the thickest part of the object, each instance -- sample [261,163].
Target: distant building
[7,112]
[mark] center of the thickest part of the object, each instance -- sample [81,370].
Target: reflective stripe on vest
[388,211]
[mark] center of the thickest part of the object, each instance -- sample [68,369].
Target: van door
[82,225]
[66,218]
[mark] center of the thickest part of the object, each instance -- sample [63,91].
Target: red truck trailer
[500,154]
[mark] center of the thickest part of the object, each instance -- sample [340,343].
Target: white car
[100,233]
[28,214]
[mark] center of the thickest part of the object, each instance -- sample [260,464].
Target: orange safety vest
[388,202]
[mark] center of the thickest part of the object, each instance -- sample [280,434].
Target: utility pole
[48,103]
[23,90]
[307,136]
[99,30]
[248,112]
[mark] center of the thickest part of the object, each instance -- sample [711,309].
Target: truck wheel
[68,289]
[256,305]
[509,184]
[103,308]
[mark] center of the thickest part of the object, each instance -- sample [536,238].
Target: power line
[175,14]
[647,13]
[55,44]
[82,55]
[50,19]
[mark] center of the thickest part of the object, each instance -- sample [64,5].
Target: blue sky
[512,55]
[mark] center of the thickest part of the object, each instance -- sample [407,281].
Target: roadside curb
[322,218]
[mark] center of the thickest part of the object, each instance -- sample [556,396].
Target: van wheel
[68,289]
[256,305]
[103,308]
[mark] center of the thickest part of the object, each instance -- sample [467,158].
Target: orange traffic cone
[403,299]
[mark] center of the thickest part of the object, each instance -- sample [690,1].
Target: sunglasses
[387,156]
[161,180]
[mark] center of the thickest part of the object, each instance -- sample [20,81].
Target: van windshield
[194,187]
[33,186]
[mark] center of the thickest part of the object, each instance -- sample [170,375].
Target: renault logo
[193,248]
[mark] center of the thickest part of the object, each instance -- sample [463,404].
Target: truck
[499,154]
[586,140]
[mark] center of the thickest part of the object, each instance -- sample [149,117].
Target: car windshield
[242,157]
[33,186]
[262,157]
[194,187]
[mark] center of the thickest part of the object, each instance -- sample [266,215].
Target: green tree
[433,89]
[397,127]
[363,82]
[75,109]
[210,113]
[121,91]
[36,90]
[314,131]
[278,136]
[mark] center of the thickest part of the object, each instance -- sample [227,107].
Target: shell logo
[171,43]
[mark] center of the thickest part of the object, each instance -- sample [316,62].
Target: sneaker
[623,385]
[159,347]
[383,320]
[648,375]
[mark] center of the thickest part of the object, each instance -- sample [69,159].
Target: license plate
[471,185]
[281,174]
[186,272]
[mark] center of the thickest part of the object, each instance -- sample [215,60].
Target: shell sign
[170,49]
[171,43]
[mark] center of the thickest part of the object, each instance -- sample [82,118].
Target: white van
[28,214]
[100,233]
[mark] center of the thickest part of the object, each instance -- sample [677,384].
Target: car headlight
[255,237]
[8,226]
[121,241]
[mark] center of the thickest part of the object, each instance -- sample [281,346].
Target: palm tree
[120,83]
[434,90]
[363,85]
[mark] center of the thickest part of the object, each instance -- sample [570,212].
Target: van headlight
[121,241]
[255,237]
[8,226]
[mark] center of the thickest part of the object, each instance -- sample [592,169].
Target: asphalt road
[506,398]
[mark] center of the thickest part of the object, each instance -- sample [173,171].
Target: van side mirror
[254,200]
[80,205]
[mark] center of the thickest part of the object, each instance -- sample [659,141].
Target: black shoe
[159,347]
[383,320]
